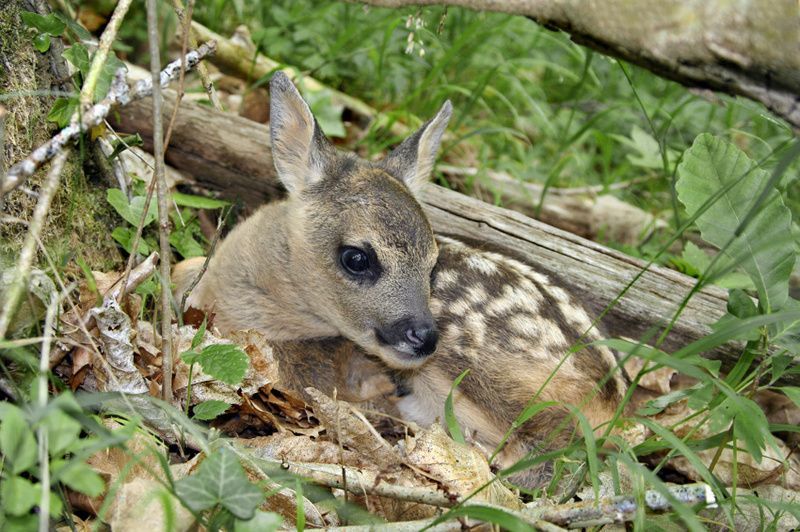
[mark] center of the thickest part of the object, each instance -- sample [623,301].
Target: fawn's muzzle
[416,337]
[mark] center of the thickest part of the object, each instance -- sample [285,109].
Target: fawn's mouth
[400,355]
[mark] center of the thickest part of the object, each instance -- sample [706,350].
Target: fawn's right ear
[299,148]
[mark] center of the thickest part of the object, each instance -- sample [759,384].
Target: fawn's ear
[299,148]
[412,161]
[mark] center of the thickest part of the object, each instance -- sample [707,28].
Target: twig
[402,526]
[100,56]
[202,70]
[117,166]
[41,432]
[26,255]
[138,275]
[619,509]
[119,94]
[163,205]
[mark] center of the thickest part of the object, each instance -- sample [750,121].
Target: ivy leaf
[131,212]
[221,480]
[16,440]
[208,410]
[79,31]
[49,24]
[764,248]
[62,111]
[197,202]
[41,42]
[78,56]
[224,362]
[110,68]
[18,495]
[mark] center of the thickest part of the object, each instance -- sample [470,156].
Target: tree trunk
[598,273]
[746,47]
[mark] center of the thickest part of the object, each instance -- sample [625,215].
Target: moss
[80,220]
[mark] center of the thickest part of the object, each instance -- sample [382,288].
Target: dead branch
[746,48]
[27,253]
[163,204]
[202,70]
[118,94]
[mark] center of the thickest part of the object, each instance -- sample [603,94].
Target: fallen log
[231,155]
[242,171]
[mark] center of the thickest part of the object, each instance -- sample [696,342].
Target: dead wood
[231,154]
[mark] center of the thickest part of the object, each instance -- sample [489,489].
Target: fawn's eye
[354,261]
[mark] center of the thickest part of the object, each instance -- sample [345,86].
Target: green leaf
[700,264]
[750,425]
[123,143]
[49,24]
[741,305]
[80,32]
[107,72]
[62,431]
[197,202]
[261,522]
[327,113]
[41,42]
[62,111]
[17,443]
[488,514]
[764,248]
[78,56]
[19,495]
[124,236]
[197,339]
[131,212]
[80,477]
[449,411]
[208,410]
[224,362]
[183,241]
[221,480]
[793,393]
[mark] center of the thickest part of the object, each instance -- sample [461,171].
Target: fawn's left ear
[412,161]
[300,150]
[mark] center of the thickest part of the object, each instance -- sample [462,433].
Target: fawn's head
[360,247]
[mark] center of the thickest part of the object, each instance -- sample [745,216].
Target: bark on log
[231,154]
[747,47]
[582,214]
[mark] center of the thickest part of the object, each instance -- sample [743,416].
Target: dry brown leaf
[352,431]
[460,469]
[659,380]
[287,447]
[139,505]
[117,372]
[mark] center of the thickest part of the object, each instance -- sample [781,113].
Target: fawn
[350,253]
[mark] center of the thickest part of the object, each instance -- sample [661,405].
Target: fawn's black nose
[416,337]
[423,339]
